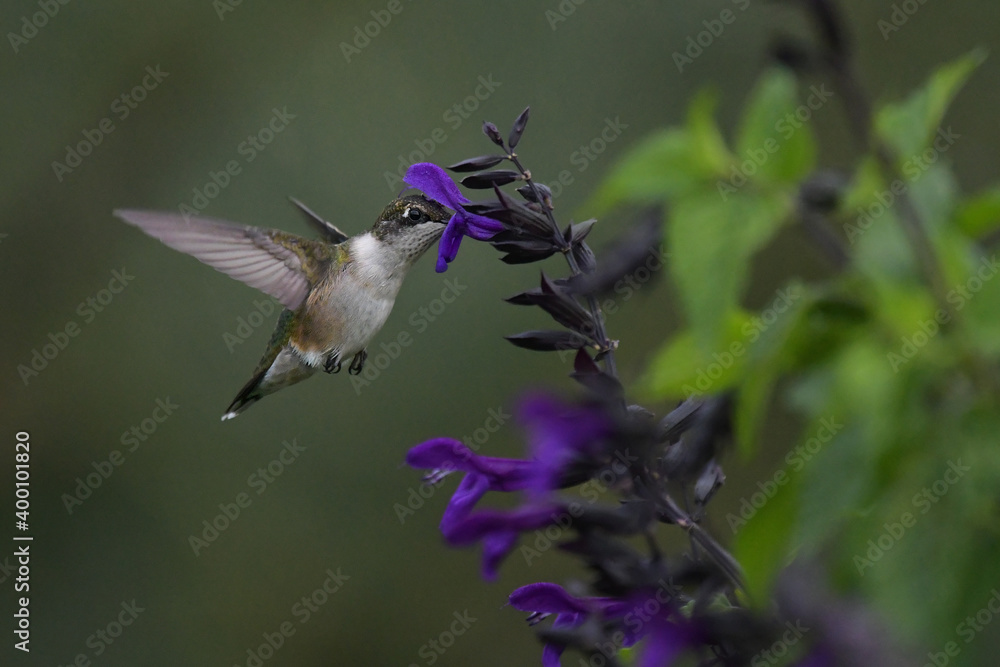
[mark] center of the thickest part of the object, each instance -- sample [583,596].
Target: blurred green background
[164,337]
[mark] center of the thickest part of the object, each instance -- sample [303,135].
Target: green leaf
[783,150]
[837,479]
[708,146]
[873,228]
[662,166]
[682,368]
[668,163]
[772,351]
[980,215]
[977,299]
[909,126]
[711,241]
[933,192]
[764,535]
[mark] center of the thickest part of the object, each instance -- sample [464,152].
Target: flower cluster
[565,440]
[636,597]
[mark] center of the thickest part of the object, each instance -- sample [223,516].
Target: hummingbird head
[411,224]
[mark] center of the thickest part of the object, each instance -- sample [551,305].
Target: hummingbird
[337,291]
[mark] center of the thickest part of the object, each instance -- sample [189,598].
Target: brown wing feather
[251,255]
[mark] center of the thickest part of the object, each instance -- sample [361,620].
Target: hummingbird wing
[327,229]
[275,262]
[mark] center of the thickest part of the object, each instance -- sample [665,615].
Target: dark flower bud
[488,179]
[792,54]
[562,307]
[521,248]
[823,190]
[528,192]
[584,257]
[640,247]
[477,163]
[828,22]
[710,480]
[491,131]
[518,129]
[577,232]
[548,341]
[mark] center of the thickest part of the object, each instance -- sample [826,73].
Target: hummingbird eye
[414,214]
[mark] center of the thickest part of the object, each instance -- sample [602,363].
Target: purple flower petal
[553,652]
[436,184]
[478,525]
[449,244]
[498,530]
[665,642]
[468,493]
[503,474]
[480,227]
[551,655]
[546,598]
[560,435]
[495,549]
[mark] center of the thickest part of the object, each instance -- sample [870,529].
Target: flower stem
[674,514]
[600,332]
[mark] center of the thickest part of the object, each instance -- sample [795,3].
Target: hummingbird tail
[248,395]
[276,371]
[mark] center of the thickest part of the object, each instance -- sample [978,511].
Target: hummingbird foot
[358,363]
[332,364]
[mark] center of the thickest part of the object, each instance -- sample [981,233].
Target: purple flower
[665,642]
[448,453]
[561,436]
[544,599]
[460,526]
[666,638]
[436,184]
